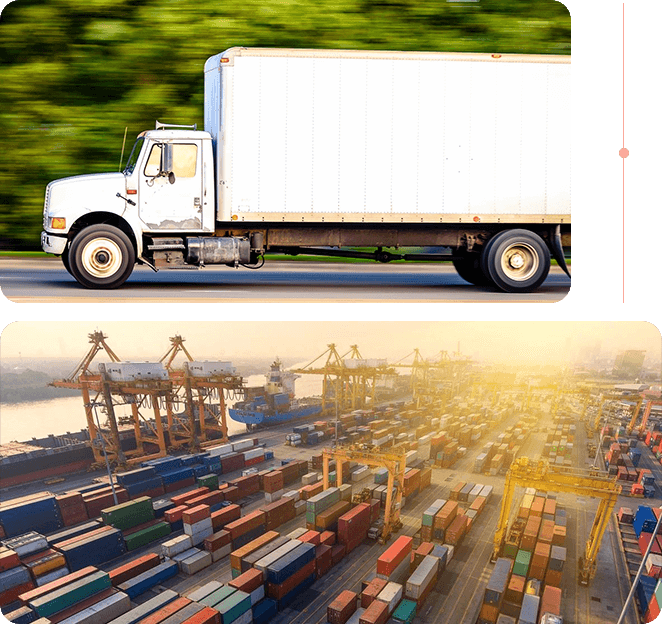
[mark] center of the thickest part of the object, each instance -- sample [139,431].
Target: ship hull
[248,416]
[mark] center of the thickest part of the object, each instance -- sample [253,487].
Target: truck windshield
[133,157]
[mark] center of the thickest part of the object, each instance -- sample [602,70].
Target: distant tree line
[29,386]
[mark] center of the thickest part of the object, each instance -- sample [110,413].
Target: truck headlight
[58,223]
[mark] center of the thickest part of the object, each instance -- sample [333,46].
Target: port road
[38,280]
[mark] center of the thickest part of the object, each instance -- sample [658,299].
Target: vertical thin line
[623,147]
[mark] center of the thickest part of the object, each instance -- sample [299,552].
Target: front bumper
[53,244]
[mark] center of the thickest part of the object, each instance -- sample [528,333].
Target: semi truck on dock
[339,153]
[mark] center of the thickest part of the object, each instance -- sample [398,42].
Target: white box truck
[320,152]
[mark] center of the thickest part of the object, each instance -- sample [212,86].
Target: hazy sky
[546,342]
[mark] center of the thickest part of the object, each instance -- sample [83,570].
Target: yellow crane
[635,414]
[394,461]
[538,474]
[602,400]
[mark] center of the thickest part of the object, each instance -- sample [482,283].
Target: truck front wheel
[516,261]
[101,256]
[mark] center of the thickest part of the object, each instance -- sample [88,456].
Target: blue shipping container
[134,489]
[41,515]
[263,611]
[287,600]
[644,520]
[279,571]
[65,534]
[645,590]
[94,550]
[160,506]
[179,474]
[136,476]
[141,583]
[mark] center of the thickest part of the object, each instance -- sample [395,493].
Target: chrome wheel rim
[519,262]
[102,257]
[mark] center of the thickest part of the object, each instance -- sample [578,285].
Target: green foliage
[75,74]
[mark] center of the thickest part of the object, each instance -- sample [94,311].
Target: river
[24,421]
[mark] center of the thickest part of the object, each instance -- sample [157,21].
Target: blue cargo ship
[274,403]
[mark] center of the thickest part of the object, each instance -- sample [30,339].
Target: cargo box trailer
[318,152]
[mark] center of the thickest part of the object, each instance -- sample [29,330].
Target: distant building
[629,364]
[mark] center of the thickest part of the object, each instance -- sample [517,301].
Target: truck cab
[101,224]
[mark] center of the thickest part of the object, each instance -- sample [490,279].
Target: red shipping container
[653,610]
[231,493]
[341,608]
[328,538]
[217,541]
[488,612]
[278,591]
[421,552]
[323,560]
[8,560]
[375,506]
[174,514]
[166,612]
[393,556]
[353,526]
[310,537]
[337,553]
[179,485]
[553,577]
[74,515]
[273,481]
[56,584]
[376,613]
[13,593]
[279,512]
[559,536]
[153,493]
[211,498]
[206,616]
[69,499]
[551,600]
[230,463]
[247,485]
[195,514]
[224,516]
[644,540]
[372,590]
[133,568]
[248,581]
[247,523]
[456,530]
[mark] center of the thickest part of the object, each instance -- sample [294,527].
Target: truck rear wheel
[517,261]
[468,268]
[101,256]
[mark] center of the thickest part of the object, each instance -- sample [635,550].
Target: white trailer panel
[328,135]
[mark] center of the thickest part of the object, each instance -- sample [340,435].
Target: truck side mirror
[167,163]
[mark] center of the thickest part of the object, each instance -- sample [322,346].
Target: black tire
[101,257]
[517,261]
[469,269]
[65,259]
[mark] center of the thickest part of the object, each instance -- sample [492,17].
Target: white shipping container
[242,445]
[487,492]
[272,497]
[221,552]
[207,369]
[53,575]
[309,478]
[185,555]
[300,507]
[195,563]
[27,544]
[257,595]
[202,592]
[450,554]
[176,545]
[391,595]
[410,456]
[217,451]
[477,489]
[200,536]
[275,555]
[297,533]
[293,494]
[197,527]
[134,371]
[254,453]
[103,611]
[424,574]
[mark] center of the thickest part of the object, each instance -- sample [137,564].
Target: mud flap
[557,249]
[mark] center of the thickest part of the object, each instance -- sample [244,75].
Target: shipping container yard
[469,507]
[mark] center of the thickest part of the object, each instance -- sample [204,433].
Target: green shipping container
[310,517]
[145,536]
[234,606]
[218,596]
[522,562]
[70,594]
[129,514]
[210,481]
[510,551]
[405,612]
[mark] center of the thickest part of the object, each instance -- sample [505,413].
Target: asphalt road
[46,280]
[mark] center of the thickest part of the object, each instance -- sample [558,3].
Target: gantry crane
[602,400]
[394,461]
[353,379]
[538,474]
[193,390]
[647,413]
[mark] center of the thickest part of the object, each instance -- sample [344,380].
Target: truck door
[173,205]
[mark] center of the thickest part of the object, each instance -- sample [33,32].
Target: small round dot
[624,152]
